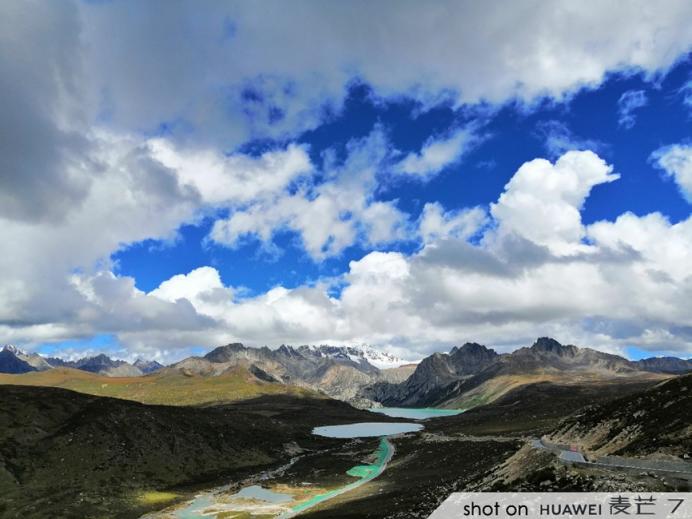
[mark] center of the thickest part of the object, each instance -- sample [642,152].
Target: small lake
[263,494]
[415,413]
[365,429]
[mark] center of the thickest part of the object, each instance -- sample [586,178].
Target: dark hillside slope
[69,455]
[657,421]
[534,409]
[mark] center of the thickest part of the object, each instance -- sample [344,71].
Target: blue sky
[187,180]
[513,137]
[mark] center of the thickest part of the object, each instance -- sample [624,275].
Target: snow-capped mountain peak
[360,354]
[12,349]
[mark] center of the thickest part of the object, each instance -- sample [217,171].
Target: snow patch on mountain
[361,354]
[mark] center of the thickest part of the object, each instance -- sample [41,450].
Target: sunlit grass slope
[168,387]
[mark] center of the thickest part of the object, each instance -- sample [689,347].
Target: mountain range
[338,371]
[14,360]
[467,376]
[473,374]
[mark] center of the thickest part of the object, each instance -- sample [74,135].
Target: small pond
[263,494]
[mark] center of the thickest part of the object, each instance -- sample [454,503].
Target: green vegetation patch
[154,497]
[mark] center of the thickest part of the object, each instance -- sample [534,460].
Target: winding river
[364,473]
[282,505]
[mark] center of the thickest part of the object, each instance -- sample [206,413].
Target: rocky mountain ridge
[469,375]
[338,371]
[14,360]
[473,374]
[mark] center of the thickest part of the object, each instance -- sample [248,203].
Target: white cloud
[231,86]
[559,139]
[660,243]
[686,92]
[329,216]
[131,196]
[627,104]
[629,287]
[542,201]
[43,147]
[436,154]
[435,223]
[236,178]
[676,161]
[201,287]
[80,176]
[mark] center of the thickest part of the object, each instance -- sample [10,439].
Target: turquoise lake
[415,413]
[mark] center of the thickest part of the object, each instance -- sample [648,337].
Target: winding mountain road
[574,456]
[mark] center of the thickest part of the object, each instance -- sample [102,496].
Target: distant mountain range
[474,374]
[14,360]
[338,371]
[465,377]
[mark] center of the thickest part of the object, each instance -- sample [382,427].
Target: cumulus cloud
[58,281]
[135,198]
[542,201]
[435,223]
[328,216]
[628,286]
[82,173]
[628,103]
[436,154]
[43,149]
[231,85]
[676,162]
[233,179]
[610,284]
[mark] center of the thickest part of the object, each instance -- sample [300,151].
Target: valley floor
[71,455]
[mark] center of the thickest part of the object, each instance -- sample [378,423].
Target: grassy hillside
[168,387]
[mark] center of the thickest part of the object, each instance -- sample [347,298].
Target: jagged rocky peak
[471,358]
[225,353]
[473,349]
[147,366]
[289,351]
[550,345]
[14,360]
